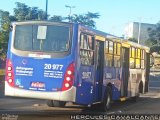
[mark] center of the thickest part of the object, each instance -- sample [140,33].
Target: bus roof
[38,22]
[105,35]
[130,43]
[127,43]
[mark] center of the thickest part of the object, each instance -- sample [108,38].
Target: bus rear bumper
[69,95]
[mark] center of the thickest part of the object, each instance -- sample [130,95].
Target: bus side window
[117,48]
[132,57]
[137,58]
[109,53]
[86,49]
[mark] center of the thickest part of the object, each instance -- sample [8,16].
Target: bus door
[147,65]
[99,63]
[125,71]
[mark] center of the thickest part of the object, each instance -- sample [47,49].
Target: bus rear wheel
[106,105]
[54,103]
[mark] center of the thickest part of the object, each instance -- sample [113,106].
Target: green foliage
[133,40]
[23,12]
[155,49]
[154,38]
[86,19]
[56,18]
[5,20]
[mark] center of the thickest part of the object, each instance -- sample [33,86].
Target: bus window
[109,59]
[106,48]
[54,42]
[133,52]
[110,47]
[109,54]
[116,54]
[137,63]
[139,53]
[130,53]
[90,43]
[23,35]
[137,58]
[86,49]
[85,42]
[132,58]
[115,48]
[118,48]
[117,61]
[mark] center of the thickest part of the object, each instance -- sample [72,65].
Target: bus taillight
[9,73]
[68,78]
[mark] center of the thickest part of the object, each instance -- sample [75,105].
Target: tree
[133,40]
[155,49]
[5,19]
[23,12]
[154,38]
[85,19]
[56,18]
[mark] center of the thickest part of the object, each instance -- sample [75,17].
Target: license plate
[37,85]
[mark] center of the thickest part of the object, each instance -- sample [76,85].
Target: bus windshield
[44,38]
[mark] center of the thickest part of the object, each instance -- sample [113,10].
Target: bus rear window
[42,38]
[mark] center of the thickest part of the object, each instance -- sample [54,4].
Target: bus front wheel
[53,103]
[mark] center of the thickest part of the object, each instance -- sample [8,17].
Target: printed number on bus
[53,66]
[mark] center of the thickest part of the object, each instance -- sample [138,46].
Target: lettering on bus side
[53,70]
[86,75]
[24,71]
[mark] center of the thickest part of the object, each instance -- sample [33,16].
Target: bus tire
[106,104]
[59,103]
[53,103]
[49,103]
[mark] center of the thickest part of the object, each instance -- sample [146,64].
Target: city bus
[69,62]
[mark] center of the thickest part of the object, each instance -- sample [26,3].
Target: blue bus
[68,62]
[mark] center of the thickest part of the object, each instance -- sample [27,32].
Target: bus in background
[68,62]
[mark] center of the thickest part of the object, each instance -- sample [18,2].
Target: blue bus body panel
[85,83]
[112,75]
[39,74]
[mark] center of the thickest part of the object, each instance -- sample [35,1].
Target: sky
[114,14]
